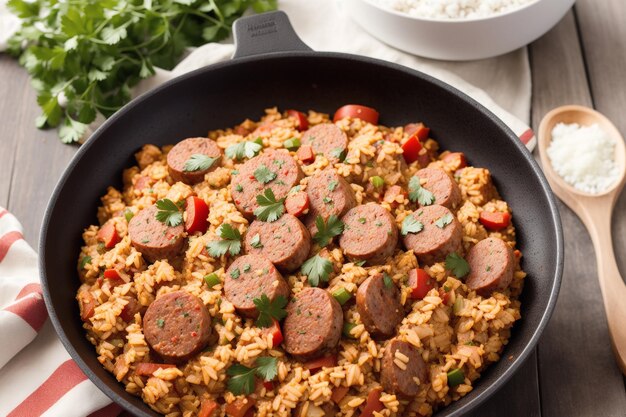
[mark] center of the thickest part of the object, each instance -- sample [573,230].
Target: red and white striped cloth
[37,376]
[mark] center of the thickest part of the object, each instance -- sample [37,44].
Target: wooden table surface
[581,61]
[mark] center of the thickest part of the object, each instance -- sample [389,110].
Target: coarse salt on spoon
[595,211]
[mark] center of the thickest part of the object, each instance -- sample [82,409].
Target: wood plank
[574,354]
[13,86]
[38,156]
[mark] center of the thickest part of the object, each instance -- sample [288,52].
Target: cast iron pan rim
[467,406]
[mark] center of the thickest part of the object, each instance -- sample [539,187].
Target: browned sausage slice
[155,240]
[285,242]
[313,324]
[177,326]
[379,306]
[492,264]
[370,233]
[249,277]
[403,369]
[328,194]
[446,191]
[178,156]
[275,169]
[434,243]
[326,139]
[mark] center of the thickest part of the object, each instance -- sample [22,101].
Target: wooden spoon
[595,211]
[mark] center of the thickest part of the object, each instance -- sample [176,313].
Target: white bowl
[458,39]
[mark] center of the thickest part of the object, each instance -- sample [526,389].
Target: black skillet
[273,67]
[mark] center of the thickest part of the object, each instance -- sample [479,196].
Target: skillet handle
[265,33]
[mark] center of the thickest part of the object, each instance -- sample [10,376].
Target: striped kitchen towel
[37,376]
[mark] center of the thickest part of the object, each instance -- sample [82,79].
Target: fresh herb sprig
[241,379]
[246,149]
[270,309]
[85,56]
[169,212]
[411,225]
[269,209]
[231,242]
[317,269]
[326,231]
[198,162]
[419,193]
[458,265]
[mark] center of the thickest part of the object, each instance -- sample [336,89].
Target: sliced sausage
[313,324]
[155,240]
[394,378]
[285,242]
[177,325]
[178,156]
[328,194]
[492,264]
[249,277]
[434,243]
[446,191]
[370,234]
[326,139]
[379,306]
[245,187]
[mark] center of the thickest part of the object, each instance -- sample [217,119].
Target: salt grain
[583,156]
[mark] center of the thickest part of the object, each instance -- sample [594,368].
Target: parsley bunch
[241,379]
[84,56]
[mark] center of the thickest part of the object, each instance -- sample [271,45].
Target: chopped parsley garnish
[270,209]
[444,220]
[246,268]
[410,225]
[238,187]
[83,262]
[168,212]
[270,310]
[231,242]
[457,265]
[387,280]
[198,162]
[279,163]
[488,268]
[362,220]
[234,172]
[339,153]
[242,150]
[264,175]
[294,189]
[160,323]
[242,381]
[317,269]
[235,273]
[420,194]
[292,144]
[326,231]
[332,185]
[255,242]
[327,200]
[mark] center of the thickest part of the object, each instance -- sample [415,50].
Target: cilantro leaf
[264,175]
[246,149]
[198,162]
[255,242]
[457,265]
[168,212]
[269,310]
[326,231]
[410,225]
[231,242]
[266,367]
[444,220]
[317,269]
[241,379]
[270,209]
[418,193]
[339,153]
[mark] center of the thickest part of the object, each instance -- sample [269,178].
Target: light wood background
[581,61]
